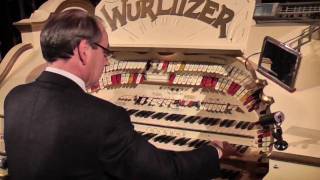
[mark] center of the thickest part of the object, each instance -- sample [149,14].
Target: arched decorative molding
[11,58]
[30,28]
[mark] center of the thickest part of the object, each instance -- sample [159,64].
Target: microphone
[273,118]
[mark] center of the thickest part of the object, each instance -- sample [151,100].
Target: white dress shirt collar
[68,75]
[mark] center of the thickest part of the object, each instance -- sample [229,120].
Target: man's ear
[83,48]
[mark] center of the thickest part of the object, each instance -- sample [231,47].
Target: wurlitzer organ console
[178,70]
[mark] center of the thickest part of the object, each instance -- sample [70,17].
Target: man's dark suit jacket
[54,130]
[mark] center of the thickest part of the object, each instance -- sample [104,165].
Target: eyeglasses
[106,51]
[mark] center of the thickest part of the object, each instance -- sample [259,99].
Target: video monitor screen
[279,63]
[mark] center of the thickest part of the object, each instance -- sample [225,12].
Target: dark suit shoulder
[17,91]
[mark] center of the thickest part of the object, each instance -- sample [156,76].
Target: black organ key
[239,124]
[206,142]
[170,139]
[139,114]
[158,115]
[161,115]
[163,139]
[189,118]
[144,101]
[243,149]
[213,121]
[149,113]
[155,115]
[203,120]
[238,147]
[169,117]
[183,142]
[207,121]
[223,122]
[149,135]
[138,100]
[245,125]
[251,126]
[193,142]
[132,111]
[158,138]
[181,116]
[178,141]
[230,123]
[194,119]
[199,144]
[173,117]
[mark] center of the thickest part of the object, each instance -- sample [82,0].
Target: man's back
[55,129]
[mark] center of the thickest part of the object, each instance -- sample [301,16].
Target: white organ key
[184,79]
[177,67]
[120,65]
[189,79]
[217,87]
[223,71]
[235,70]
[223,84]
[210,107]
[219,109]
[199,80]
[228,69]
[169,69]
[197,67]
[237,94]
[202,106]
[225,90]
[109,82]
[224,108]
[200,67]
[207,106]
[194,80]
[128,65]
[244,92]
[111,67]
[125,63]
[142,65]
[187,67]
[191,68]
[127,78]
[136,65]
[215,69]
[105,80]
[116,65]
[138,78]
[204,68]
[123,78]
[214,107]
[160,66]
[219,69]
[242,77]
[107,68]
[177,79]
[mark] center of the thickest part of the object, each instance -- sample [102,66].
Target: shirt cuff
[218,149]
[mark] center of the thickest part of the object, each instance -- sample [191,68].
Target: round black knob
[281,145]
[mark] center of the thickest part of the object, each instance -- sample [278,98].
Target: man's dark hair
[63,33]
